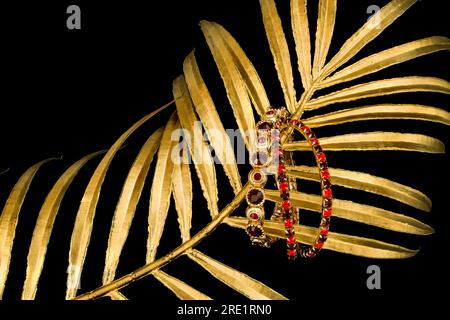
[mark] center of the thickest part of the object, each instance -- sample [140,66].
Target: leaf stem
[306,96]
[157,264]
[304,99]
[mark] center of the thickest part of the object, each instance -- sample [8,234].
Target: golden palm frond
[10,217]
[375,141]
[201,156]
[363,247]
[280,51]
[126,206]
[85,217]
[246,94]
[381,88]
[357,212]
[204,106]
[366,182]
[44,226]
[388,58]
[378,112]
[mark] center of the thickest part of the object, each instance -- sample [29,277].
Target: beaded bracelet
[255,197]
[327,193]
[268,139]
[263,161]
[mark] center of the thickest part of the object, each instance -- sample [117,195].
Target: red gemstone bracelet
[327,193]
[263,162]
[269,155]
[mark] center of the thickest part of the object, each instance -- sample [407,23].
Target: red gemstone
[325,174]
[327,193]
[265,125]
[326,212]
[321,157]
[292,252]
[270,112]
[305,129]
[314,142]
[257,176]
[295,121]
[255,196]
[281,169]
[318,245]
[286,205]
[291,240]
[262,140]
[288,223]
[324,231]
[254,216]
[284,186]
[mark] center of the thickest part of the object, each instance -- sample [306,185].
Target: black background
[71,92]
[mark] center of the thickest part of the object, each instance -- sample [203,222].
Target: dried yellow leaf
[248,72]
[374,141]
[369,31]
[378,112]
[198,148]
[10,217]
[44,226]
[324,33]
[182,290]
[232,79]
[237,280]
[381,88]
[126,206]
[357,212]
[368,183]
[358,246]
[280,51]
[182,194]
[387,58]
[85,217]
[161,188]
[207,112]
[300,31]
